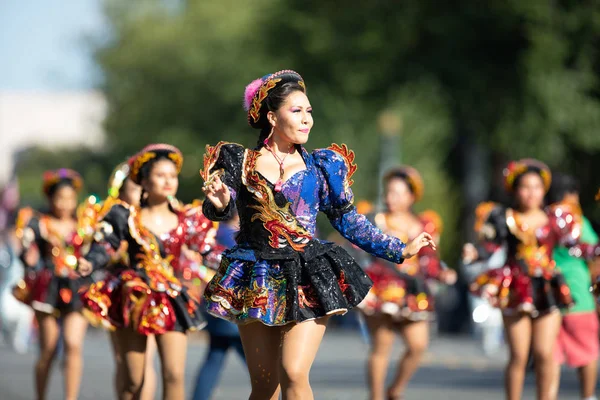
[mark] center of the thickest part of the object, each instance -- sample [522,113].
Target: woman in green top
[577,343]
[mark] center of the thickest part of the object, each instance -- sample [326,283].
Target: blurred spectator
[577,344]
[15,317]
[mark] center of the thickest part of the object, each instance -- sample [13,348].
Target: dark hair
[273,102]
[58,185]
[562,184]
[145,173]
[143,198]
[395,174]
[122,187]
[530,170]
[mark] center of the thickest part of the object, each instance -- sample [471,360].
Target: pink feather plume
[250,92]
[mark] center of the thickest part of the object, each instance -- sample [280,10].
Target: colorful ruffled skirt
[44,291]
[277,287]
[401,296]
[515,292]
[126,298]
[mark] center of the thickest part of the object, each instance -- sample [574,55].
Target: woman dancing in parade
[400,300]
[279,283]
[123,190]
[148,297]
[51,245]
[529,288]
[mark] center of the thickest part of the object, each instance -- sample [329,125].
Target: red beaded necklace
[280,161]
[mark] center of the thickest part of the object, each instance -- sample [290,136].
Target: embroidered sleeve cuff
[209,210]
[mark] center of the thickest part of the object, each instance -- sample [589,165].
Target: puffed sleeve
[112,229]
[567,223]
[200,235]
[429,260]
[224,159]
[87,218]
[28,231]
[491,228]
[336,201]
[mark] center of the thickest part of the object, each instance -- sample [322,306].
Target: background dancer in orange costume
[400,300]
[51,245]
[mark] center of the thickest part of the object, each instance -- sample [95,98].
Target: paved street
[454,369]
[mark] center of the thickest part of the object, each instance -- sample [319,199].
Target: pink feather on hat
[250,92]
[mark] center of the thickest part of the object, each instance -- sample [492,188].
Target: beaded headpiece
[258,90]
[150,152]
[515,169]
[53,177]
[118,177]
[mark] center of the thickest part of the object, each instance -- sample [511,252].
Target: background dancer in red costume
[149,297]
[529,288]
[51,245]
[400,300]
[122,189]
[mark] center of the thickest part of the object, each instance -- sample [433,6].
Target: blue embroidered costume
[279,273]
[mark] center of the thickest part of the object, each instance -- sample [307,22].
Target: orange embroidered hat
[515,169]
[52,178]
[411,176]
[258,90]
[151,152]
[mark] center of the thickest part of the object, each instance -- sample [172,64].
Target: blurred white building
[52,119]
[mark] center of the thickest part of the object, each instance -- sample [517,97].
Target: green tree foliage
[519,78]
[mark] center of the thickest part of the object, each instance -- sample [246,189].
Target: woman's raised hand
[423,240]
[217,193]
[31,257]
[84,267]
[469,253]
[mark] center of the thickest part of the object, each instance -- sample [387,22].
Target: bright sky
[44,43]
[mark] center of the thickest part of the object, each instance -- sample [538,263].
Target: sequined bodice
[426,264]
[284,221]
[531,248]
[58,253]
[302,191]
[191,231]
[64,256]
[123,223]
[278,219]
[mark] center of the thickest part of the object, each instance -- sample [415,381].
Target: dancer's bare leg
[132,350]
[382,337]
[518,335]
[172,348]
[49,333]
[545,333]
[262,348]
[416,340]
[588,377]
[298,351]
[74,327]
[149,386]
